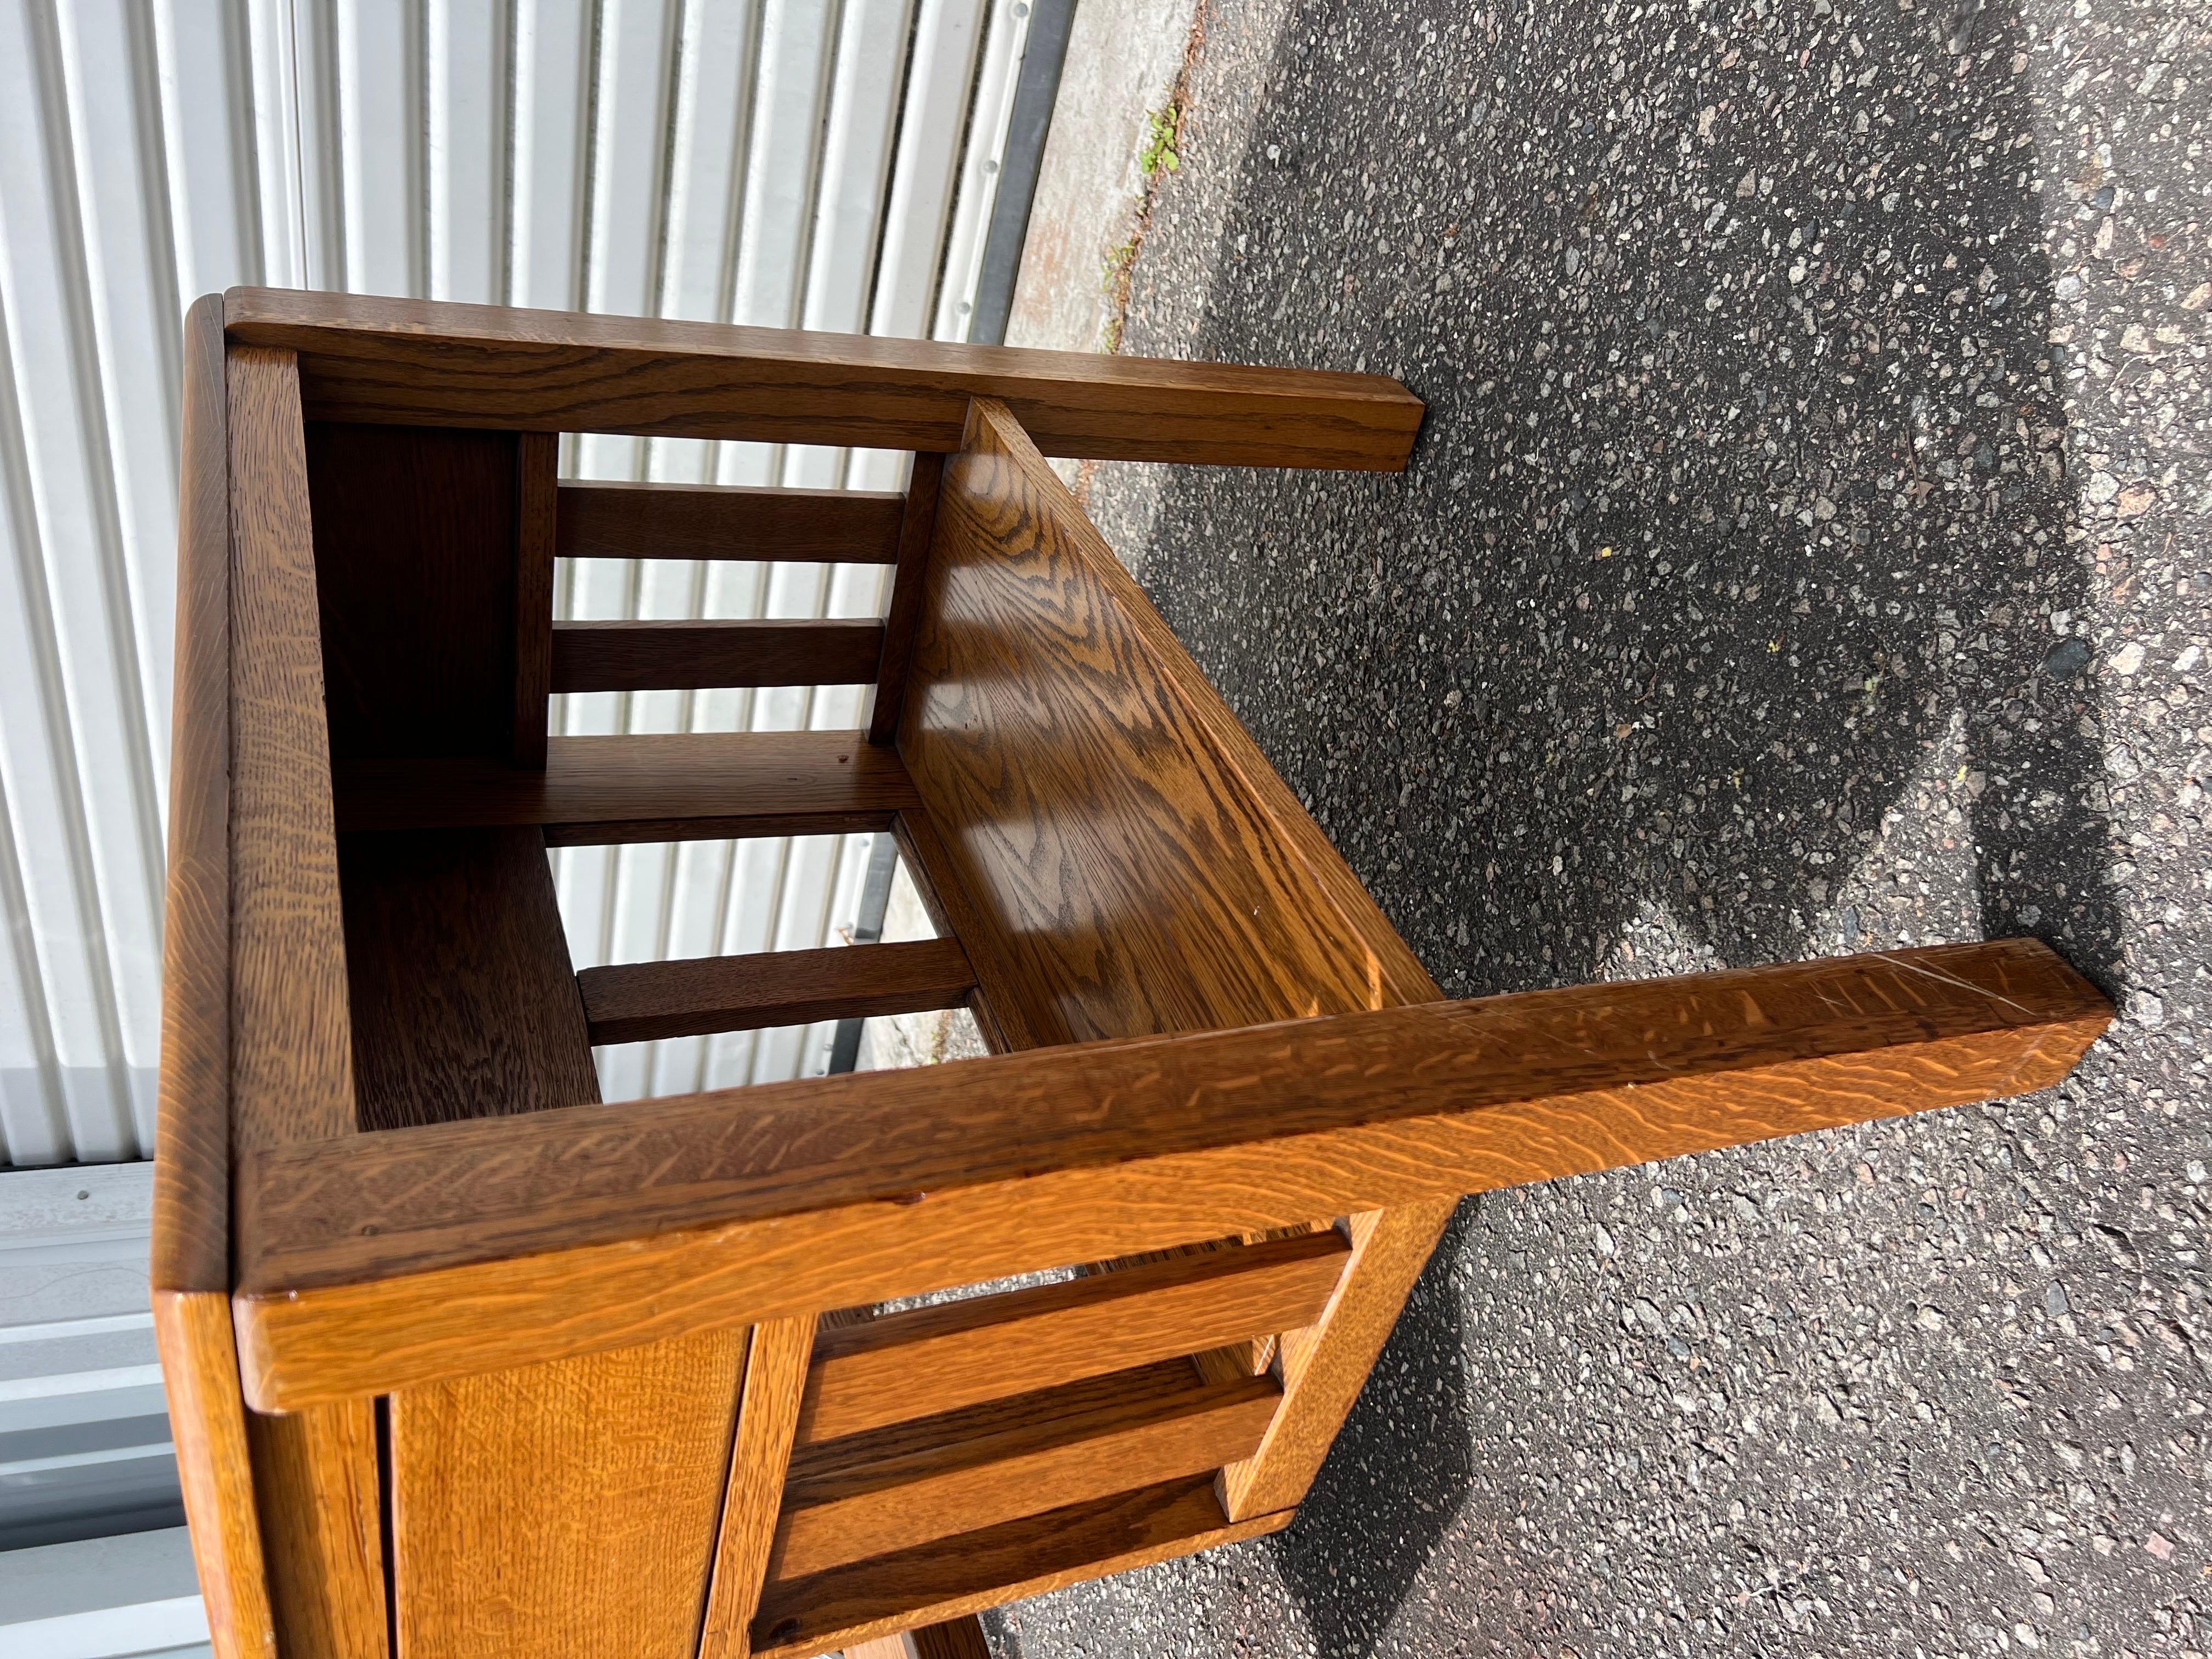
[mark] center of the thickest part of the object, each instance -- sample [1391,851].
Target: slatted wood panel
[639,1001]
[728,521]
[667,787]
[415,362]
[641,656]
[803,1617]
[776,1199]
[895,1488]
[932,1359]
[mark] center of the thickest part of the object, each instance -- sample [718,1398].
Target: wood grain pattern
[462,1000]
[775,1375]
[895,1488]
[1324,1364]
[191,1172]
[803,1617]
[830,1193]
[663,786]
[199,1373]
[538,462]
[640,1001]
[315,1486]
[728,521]
[932,1359]
[682,656]
[563,1508]
[917,524]
[998,1004]
[1125,871]
[291,1050]
[417,562]
[421,363]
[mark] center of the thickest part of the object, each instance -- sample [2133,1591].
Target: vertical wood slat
[904,613]
[768,1419]
[318,1483]
[563,1509]
[191,1254]
[315,1477]
[537,519]
[292,1055]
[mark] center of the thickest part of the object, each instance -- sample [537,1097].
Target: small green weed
[1159,150]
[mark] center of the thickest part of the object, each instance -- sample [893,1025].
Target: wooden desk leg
[1326,1364]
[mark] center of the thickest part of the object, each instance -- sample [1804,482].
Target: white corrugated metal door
[817,163]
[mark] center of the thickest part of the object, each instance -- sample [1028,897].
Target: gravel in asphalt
[1806,552]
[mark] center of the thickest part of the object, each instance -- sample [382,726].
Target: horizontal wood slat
[897,1487]
[934,1359]
[689,656]
[829,1193]
[642,1001]
[802,1617]
[727,521]
[681,785]
[417,362]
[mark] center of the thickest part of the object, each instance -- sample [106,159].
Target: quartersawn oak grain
[803,1617]
[682,656]
[897,1487]
[424,363]
[207,1417]
[315,1484]
[291,1050]
[775,1373]
[832,1193]
[563,1508]
[662,787]
[1128,876]
[642,1001]
[727,521]
[932,1359]
[191,1175]
[463,1003]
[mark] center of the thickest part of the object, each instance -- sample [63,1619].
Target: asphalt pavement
[1807,551]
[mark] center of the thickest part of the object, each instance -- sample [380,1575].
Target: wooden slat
[422,363]
[939,1358]
[661,786]
[957,1638]
[640,1001]
[775,1373]
[191,1174]
[316,1486]
[563,1508]
[684,656]
[463,1003]
[773,1199]
[917,523]
[728,521]
[419,564]
[538,461]
[207,1420]
[895,1488]
[291,1058]
[800,1617]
